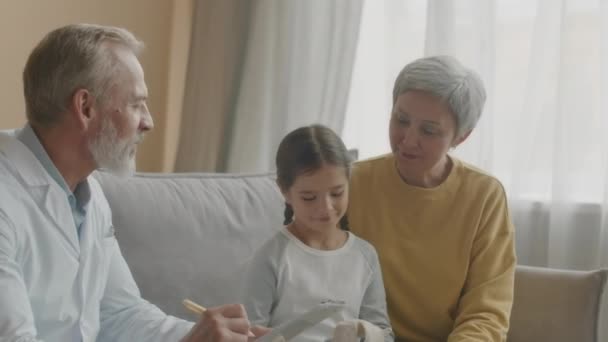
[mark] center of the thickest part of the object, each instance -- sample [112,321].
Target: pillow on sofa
[189,235]
[556,305]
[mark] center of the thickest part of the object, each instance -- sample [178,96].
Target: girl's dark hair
[305,150]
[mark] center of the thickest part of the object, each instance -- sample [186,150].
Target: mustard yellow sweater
[447,253]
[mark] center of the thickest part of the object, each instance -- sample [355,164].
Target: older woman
[441,227]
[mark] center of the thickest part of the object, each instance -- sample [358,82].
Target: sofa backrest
[189,235]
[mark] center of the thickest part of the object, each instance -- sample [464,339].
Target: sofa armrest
[556,305]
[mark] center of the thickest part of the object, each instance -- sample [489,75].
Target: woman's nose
[409,137]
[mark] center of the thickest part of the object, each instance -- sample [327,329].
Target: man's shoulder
[13,196]
[9,184]
[8,139]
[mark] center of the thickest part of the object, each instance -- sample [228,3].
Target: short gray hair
[69,58]
[445,77]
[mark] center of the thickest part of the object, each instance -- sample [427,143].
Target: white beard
[112,154]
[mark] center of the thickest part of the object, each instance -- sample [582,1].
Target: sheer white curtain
[544,129]
[219,33]
[297,71]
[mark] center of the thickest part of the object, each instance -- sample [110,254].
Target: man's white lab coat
[55,287]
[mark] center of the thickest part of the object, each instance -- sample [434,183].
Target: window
[543,131]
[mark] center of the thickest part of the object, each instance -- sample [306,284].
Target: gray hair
[445,77]
[72,57]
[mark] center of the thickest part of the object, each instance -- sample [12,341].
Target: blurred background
[229,78]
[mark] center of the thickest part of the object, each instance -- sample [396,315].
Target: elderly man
[62,275]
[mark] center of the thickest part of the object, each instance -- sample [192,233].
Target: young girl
[314,258]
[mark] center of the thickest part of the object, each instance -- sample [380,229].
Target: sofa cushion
[189,235]
[556,305]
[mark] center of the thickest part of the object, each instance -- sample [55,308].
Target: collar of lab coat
[43,189]
[25,162]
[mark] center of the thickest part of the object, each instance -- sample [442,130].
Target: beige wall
[162,24]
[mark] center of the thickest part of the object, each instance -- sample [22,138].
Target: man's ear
[83,107]
[461,139]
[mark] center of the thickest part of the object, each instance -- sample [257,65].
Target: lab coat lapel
[44,191]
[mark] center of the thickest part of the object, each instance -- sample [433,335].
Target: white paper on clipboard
[311,318]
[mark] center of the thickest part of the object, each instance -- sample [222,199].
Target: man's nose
[147,123]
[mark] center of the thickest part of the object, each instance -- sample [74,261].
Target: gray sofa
[190,236]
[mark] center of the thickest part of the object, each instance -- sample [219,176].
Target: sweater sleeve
[485,305]
[259,290]
[373,305]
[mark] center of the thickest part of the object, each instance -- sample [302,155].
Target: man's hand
[258,331]
[227,323]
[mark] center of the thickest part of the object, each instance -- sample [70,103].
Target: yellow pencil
[193,307]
